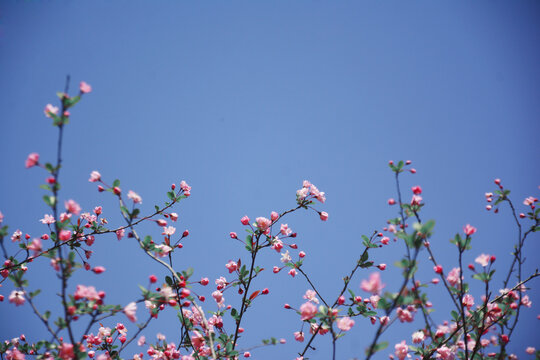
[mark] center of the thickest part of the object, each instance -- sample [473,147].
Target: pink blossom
[65,217]
[416,200]
[221,282]
[131,311]
[469,230]
[530,350]
[468,300]
[64,235]
[66,352]
[285,230]
[162,250]
[120,233]
[263,223]
[48,219]
[528,201]
[231,266]
[446,353]
[94,176]
[418,337]
[35,246]
[483,260]
[401,350]
[86,292]
[32,160]
[299,336]
[173,216]
[17,297]
[404,315]
[14,354]
[308,311]
[292,272]
[323,215]
[274,216]
[373,285]
[84,87]
[168,230]
[1,217]
[50,110]
[142,340]
[285,257]
[453,277]
[311,295]
[72,207]
[218,296]
[134,196]
[345,323]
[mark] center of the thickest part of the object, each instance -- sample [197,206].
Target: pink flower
[32,160]
[120,233]
[48,219]
[66,352]
[324,215]
[446,353]
[94,176]
[299,336]
[35,246]
[142,340]
[131,311]
[1,217]
[373,285]
[469,230]
[72,207]
[284,229]
[530,350]
[231,266]
[263,223]
[134,196]
[14,354]
[274,216]
[307,311]
[401,350]
[168,230]
[16,236]
[292,272]
[311,295]
[528,201]
[468,300]
[244,220]
[483,260]
[404,315]
[50,110]
[417,190]
[173,216]
[345,323]
[17,297]
[453,276]
[65,235]
[418,337]
[84,87]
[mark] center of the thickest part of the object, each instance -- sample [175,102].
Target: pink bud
[244,220]
[275,270]
[233,235]
[391,201]
[287,306]
[98,269]
[438,269]
[274,216]
[265,291]
[413,171]
[301,254]
[382,266]
[117,190]
[100,188]
[341,300]
[204,281]
[185,233]
[408,162]
[323,215]
[153,279]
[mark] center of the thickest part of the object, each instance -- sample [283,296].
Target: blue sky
[244,100]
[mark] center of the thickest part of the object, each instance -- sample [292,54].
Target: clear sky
[244,100]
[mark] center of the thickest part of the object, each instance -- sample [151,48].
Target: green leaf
[168,280]
[116,183]
[188,272]
[49,200]
[171,195]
